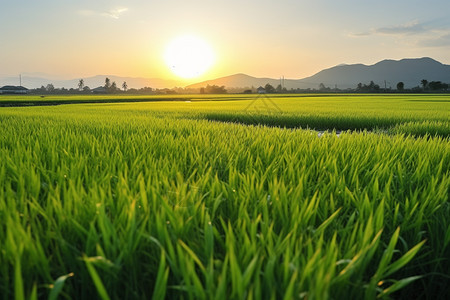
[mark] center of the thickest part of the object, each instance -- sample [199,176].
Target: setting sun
[189,56]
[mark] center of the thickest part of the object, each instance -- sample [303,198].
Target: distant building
[10,89]
[99,90]
[261,90]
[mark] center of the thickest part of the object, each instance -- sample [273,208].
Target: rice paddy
[226,198]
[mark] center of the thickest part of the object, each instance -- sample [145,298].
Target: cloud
[432,34]
[441,41]
[410,28]
[116,12]
[360,34]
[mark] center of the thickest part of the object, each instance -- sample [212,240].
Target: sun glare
[189,56]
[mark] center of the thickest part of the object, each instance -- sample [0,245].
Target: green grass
[134,200]
[410,114]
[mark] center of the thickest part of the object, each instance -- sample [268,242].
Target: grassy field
[198,199]
[409,114]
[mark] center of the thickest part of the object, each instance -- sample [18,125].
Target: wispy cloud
[410,28]
[441,41]
[403,29]
[415,34]
[114,13]
[360,34]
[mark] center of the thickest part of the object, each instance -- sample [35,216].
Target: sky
[66,39]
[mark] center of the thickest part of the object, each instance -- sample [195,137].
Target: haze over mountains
[386,72]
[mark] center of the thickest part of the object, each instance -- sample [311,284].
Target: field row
[417,115]
[151,199]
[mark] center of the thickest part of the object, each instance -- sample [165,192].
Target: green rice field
[225,197]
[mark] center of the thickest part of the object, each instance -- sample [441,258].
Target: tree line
[425,86]
[112,88]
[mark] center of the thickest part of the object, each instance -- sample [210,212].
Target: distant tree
[322,87]
[146,90]
[269,88]
[279,88]
[80,84]
[50,87]
[124,86]
[424,83]
[202,90]
[359,87]
[86,89]
[400,86]
[107,83]
[113,87]
[437,86]
[215,89]
[416,89]
[373,87]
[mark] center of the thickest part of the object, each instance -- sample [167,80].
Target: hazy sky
[74,39]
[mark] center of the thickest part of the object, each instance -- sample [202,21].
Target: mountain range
[384,73]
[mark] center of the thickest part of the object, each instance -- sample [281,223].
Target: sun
[189,56]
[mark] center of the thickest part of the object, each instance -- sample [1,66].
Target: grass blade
[159,291]
[58,285]
[96,279]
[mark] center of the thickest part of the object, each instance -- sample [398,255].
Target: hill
[389,72]
[409,71]
[243,81]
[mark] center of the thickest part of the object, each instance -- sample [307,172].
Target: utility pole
[282,82]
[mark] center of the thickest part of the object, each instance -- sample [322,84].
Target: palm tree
[424,84]
[124,86]
[81,84]
[107,83]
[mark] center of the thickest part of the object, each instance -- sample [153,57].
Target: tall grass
[96,204]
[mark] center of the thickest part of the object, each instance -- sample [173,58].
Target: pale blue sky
[67,38]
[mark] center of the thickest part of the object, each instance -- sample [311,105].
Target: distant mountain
[409,71]
[93,82]
[242,81]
